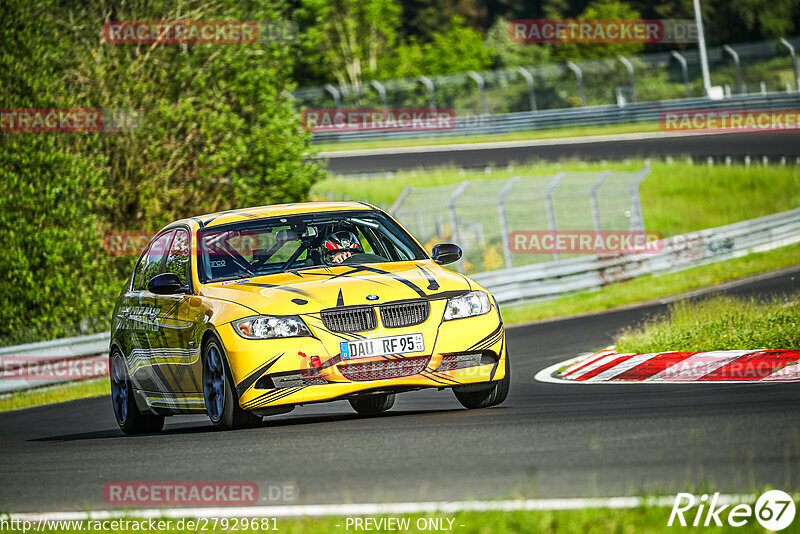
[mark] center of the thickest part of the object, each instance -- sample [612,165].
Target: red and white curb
[723,366]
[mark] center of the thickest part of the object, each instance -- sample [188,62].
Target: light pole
[701,45]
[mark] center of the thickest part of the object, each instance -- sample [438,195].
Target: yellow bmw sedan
[249,313]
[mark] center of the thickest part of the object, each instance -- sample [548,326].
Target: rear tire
[372,404]
[130,420]
[494,394]
[222,405]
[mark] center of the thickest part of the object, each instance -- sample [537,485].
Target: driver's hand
[339,257]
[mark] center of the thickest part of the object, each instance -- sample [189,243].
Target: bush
[719,323]
[217,132]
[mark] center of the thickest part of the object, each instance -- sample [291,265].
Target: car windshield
[275,245]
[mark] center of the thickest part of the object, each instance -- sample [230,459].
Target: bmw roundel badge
[372,297]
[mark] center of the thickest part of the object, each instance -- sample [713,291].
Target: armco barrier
[58,350]
[537,281]
[551,279]
[582,116]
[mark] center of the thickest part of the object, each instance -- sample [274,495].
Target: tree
[350,37]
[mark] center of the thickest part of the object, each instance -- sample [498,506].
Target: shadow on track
[205,426]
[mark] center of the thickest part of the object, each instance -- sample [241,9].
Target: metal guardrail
[581,116]
[538,281]
[480,215]
[58,353]
[548,280]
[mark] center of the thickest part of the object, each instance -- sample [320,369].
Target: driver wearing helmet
[343,241]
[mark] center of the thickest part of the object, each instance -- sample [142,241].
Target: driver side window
[152,260]
[178,259]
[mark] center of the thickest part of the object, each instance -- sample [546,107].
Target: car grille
[384,369]
[407,314]
[345,320]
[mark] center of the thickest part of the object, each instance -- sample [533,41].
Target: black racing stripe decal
[494,333]
[251,379]
[397,277]
[290,289]
[433,285]
[442,379]
[467,280]
[447,294]
[273,396]
[489,342]
[497,363]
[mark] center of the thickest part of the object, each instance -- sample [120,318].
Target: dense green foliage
[361,40]
[215,132]
[719,323]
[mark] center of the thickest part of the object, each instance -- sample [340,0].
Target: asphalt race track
[546,440]
[736,145]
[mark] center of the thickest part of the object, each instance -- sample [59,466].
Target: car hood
[312,290]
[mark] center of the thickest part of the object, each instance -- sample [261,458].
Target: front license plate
[381,346]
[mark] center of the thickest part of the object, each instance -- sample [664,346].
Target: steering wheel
[329,253]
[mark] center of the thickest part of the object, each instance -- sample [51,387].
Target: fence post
[454,216]
[424,80]
[482,88]
[337,99]
[378,86]
[738,66]
[637,221]
[551,212]
[579,76]
[788,45]
[501,213]
[631,77]
[684,70]
[400,199]
[595,204]
[529,79]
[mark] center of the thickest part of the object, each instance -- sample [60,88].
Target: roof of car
[275,210]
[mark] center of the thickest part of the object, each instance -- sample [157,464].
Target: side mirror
[166,284]
[445,253]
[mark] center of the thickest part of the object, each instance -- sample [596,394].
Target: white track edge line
[322,510]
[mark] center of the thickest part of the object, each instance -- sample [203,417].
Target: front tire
[222,406]
[372,404]
[494,394]
[130,420]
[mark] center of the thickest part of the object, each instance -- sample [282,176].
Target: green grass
[491,138]
[719,323]
[589,521]
[49,395]
[654,286]
[677,197]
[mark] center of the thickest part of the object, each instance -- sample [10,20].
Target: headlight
[269,327]
[469,305]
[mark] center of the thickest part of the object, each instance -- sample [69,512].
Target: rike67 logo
[774,510]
